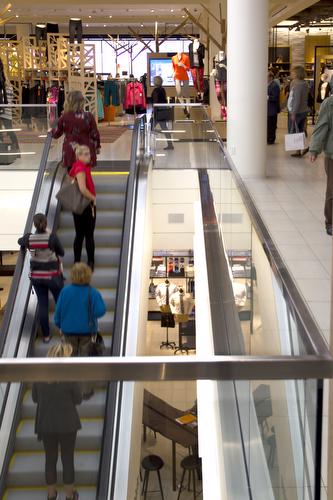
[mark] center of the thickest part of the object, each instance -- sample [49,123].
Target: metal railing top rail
[166,368]
[311,335]
[21,257]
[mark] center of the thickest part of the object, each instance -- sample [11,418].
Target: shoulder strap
[91,320]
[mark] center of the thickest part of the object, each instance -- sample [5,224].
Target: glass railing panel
[279,429]
[183,137]
[23,130]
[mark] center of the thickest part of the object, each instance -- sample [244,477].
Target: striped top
[45,249]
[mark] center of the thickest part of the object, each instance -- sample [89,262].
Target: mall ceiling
[113,13]
[321,11]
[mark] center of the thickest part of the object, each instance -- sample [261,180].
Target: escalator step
[103,237]
[23,493]
[40,349]
[27,469]
[104,256]
[110,183]
[105,219]
[93,408]
[109,297]
[88,438]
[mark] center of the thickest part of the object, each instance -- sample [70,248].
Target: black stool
[191,465]
[151,463]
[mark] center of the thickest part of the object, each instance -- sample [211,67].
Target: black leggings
[51,444]
[84,229]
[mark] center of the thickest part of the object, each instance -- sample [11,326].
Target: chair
[150,464]
[190,464]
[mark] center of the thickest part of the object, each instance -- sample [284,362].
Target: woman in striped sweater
[45,268]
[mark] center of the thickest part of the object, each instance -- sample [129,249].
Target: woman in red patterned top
[79,127]
[85,222]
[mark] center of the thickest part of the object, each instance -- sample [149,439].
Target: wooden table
[159,416]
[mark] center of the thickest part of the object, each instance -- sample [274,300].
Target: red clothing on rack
[135,97]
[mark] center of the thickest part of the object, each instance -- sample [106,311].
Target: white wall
[16,189]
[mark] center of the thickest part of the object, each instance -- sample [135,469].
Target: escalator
[26,466]
[23,461]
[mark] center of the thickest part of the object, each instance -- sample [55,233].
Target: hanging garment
[198,78]
[61,100]
[52,98]
[135,99]
[100,107]
[180,72]
[197,62]
[111,93]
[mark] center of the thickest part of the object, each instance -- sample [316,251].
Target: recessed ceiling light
[183,15]
[141,25]
[17,15]
[104,25]
[110,17]
[89,17]
[172,10]
[9,10]
[152,10]
[41,25]
[87,25]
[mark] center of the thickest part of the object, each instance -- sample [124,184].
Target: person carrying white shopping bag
[297,113]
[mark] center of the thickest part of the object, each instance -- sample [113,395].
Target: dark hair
[40,222]
[271,75]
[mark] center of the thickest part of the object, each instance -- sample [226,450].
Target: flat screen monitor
[163,67]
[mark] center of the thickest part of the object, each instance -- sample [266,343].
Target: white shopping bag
[295,142]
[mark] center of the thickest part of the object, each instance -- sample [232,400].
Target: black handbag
[97,345]
[71,197]
[167,320]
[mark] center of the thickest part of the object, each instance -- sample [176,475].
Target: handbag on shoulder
[97,345]
[70,196]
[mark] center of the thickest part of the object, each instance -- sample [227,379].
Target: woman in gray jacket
[57,423]
[298,104]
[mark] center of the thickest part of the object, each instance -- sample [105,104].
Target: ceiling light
[152,10]
[41,25]
[104,25]
[183,15]
[9,10]
[17,15]
[141,25]
[172,10]
[110,17]
[89,17]
[75,19]
[87,25]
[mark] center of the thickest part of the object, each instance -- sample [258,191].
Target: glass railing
[23,130]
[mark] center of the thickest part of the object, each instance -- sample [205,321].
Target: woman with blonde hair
[78,308]
[56,425]
[78,127]
[84,223]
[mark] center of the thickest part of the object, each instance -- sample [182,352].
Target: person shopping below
[84,223]
[78,308]
[79,128]
[56,425]
[45,268]
[273,107]
[322,140]
[298,104]
[162,114]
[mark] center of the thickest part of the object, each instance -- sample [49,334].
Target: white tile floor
[291,201]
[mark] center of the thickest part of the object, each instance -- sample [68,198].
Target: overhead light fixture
[152,10]
[104,25]
[141,25]
[172,10]
[87,25]
[183,15]
[89,17]
[75,18]
[17,15]
[110,17]
[287,22]
[41,25]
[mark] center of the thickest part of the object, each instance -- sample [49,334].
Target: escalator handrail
[309,330]
[114,393]
[21,257]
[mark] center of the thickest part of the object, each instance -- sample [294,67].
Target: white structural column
[247,54]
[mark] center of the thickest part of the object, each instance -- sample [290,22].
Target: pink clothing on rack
[135,96]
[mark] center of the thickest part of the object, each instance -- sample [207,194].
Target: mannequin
[181,305]
[197,56]
[324,88]
[163,294]
[220,76]
[181,65]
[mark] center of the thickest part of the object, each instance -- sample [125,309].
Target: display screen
[164,69]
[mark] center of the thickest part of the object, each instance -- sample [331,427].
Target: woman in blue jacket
[78,308]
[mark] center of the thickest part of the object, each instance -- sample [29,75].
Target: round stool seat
[190,463]
[152,462]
